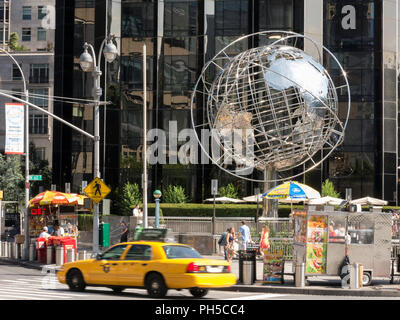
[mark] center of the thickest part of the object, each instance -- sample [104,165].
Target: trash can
[248,272]
[247,256]
[104,235]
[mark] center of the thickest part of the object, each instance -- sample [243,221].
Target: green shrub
[130,197]
[174,194]
[229,191]
[328,189]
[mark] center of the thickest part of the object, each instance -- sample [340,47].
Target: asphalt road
[20,283]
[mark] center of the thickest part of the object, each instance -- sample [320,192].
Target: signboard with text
[15,133]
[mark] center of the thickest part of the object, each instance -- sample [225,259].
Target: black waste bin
[247,255]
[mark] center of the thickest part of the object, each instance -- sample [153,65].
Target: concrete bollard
[5,246]
[10,250]
[32,251]
[49,255]
[355,276]
[82,255]
[59,256]
[70,255]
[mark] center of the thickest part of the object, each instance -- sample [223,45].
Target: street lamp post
[88,61]
[27,186]
[157,196]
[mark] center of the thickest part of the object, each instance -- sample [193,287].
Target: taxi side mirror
[99,256]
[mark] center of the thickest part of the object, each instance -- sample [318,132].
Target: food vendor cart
[319,241]
[49,208]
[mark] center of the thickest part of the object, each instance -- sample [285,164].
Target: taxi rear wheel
[75,280]
[198,292]
[155,286]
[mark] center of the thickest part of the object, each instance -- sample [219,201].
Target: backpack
[222,239]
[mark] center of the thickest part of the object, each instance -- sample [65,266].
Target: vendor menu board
[317,236]
[273,266]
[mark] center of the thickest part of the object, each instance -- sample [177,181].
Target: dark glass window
[39,73]
[41,34]
[137,20]
[114,253]
[26,13]
[42,12]
[139,252]
[180,252]
[179,69]
[16,73]
[180,18]
[276,15]
[26,34]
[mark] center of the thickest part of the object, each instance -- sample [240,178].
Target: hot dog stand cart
[319,241]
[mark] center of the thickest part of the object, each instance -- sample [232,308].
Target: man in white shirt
[44,233]
[138,214]
[59,231]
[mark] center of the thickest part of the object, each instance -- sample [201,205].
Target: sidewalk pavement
[323,285]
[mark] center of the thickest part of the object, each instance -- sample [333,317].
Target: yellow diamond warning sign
[97,190]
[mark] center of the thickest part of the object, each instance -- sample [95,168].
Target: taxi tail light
[227,269]
[192,267]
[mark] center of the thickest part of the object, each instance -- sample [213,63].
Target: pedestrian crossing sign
[97,190]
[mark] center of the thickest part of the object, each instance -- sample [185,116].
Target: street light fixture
[157,195]
[110,52]
[87,60]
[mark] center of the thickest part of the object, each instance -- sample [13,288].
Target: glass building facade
[181,36]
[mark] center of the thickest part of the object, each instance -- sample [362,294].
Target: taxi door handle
[114,264]
[144,264]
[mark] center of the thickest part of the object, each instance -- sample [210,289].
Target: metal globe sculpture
[276,105]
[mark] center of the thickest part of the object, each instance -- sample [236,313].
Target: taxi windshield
[180,252]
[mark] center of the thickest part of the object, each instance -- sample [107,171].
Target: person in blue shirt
[244,236]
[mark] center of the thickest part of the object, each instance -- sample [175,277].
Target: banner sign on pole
[14,128]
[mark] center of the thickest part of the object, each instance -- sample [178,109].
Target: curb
[24,263]
[321,291]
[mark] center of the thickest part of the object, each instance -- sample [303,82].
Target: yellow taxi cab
[155,266]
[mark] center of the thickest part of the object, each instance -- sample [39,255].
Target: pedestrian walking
[244,236]
[229,248]
[124,233]
[222,242]
[264,241]
[138,214]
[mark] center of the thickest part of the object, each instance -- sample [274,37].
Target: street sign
[214,187]
[35,178]
[97,190]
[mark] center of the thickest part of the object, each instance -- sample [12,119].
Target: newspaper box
[68,243]
[41,249]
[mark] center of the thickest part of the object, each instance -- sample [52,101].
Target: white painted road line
[258,297]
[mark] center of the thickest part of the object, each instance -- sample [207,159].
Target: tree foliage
[230,191]
[328,189]
[174,194]
[130,197]
[11,178]
[13,43]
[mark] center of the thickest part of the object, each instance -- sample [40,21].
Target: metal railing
[280,227]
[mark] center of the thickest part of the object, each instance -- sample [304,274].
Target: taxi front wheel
[155,286]
[198,292]
[75,280]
